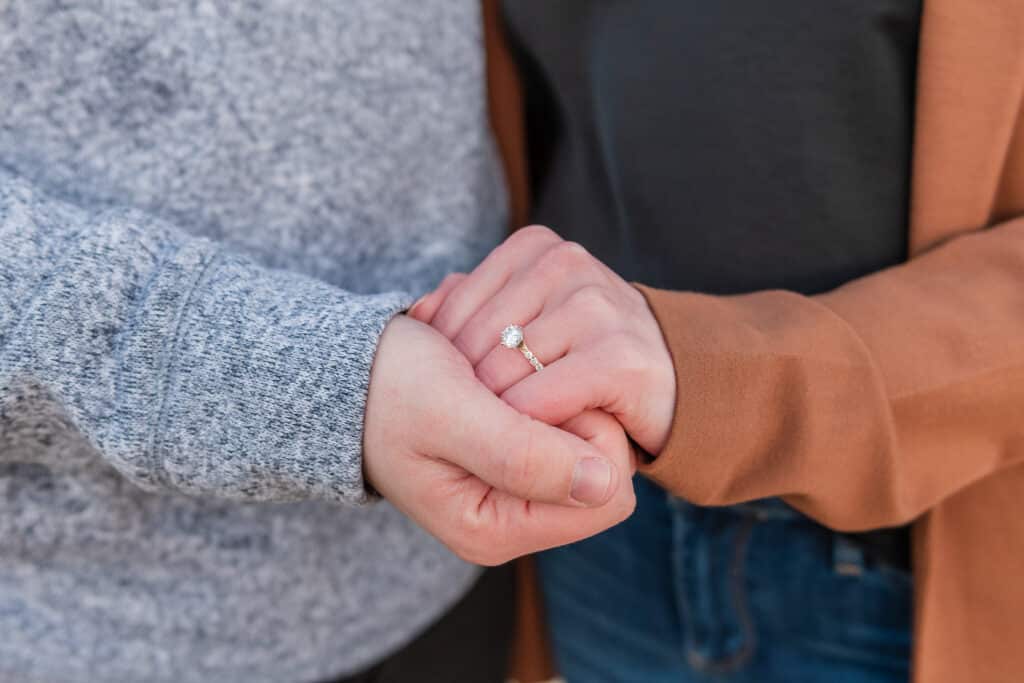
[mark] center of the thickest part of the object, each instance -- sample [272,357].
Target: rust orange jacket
[898,397]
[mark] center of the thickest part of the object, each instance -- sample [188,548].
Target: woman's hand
[594,332]
[489,482]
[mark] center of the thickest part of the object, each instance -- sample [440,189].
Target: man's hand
[488,481]
[595,333]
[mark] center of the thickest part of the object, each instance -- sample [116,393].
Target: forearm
[188,367]
[865,406]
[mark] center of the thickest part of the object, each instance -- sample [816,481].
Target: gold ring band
[512,338]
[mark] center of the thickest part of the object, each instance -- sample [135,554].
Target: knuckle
[630,362]
[636,298]
[519,468]
[573,253]
[487,373]
[502,254]
[446,318]
[594,302]
[574,250]
[534,233]
[631,354]
[635,364]
[466,340]
[451,279]
[564,257]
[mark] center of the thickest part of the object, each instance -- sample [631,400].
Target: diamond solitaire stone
[512,337]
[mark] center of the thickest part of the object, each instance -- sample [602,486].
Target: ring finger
[548,337]
[527,296]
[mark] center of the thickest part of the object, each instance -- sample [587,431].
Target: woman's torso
[725,148]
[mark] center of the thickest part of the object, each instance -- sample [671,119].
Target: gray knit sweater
[203,206]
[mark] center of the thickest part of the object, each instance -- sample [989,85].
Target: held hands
[488,481]
[487,476]
[596,335]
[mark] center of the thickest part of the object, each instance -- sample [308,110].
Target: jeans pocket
[872,606]
[709,567]
[815,590]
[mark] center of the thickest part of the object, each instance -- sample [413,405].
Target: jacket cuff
[700,407]
[756,409]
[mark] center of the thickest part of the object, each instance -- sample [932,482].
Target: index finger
[487,279]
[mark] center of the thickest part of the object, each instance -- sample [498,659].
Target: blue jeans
[754,593]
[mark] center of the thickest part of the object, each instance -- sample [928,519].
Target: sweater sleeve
[863,407]
[189,368]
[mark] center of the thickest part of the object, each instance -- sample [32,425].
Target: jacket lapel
[969,96]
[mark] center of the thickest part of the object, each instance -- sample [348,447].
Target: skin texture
[490,482]
[600,342]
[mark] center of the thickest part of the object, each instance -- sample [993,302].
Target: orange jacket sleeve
[862,407]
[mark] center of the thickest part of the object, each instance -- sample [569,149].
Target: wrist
[663,387]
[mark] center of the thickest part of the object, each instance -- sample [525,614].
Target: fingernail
[412,309]
[590,481]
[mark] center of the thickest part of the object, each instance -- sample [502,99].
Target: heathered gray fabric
[203,206]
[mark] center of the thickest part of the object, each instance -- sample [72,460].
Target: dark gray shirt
[724,147]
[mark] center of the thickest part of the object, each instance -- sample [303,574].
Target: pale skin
[488,481]
[600,342]
[487,476]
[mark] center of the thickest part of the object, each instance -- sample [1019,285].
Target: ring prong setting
[512,337]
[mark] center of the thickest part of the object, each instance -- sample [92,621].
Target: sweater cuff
[263,390]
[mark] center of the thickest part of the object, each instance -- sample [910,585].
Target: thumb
[522,456]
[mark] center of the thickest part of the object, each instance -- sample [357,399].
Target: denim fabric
[755,593]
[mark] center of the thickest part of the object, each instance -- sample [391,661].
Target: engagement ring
[512,338]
